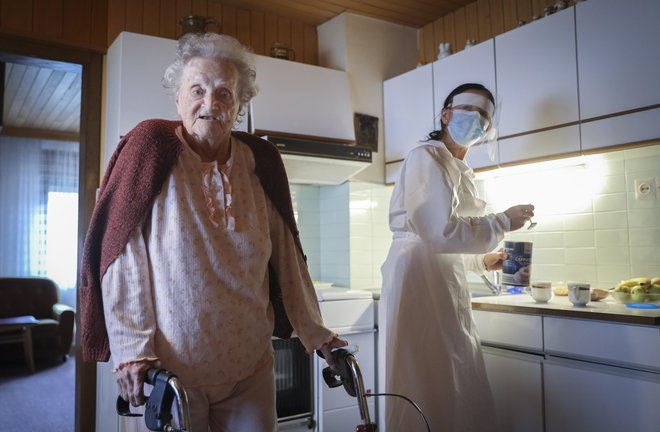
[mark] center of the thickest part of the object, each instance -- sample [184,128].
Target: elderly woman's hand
[326,350]
[130,379]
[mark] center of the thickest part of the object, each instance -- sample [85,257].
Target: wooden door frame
[90,142]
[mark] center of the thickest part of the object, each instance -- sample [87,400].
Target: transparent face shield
[488,144]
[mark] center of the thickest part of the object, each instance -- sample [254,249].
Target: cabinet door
[588,397]
[516,382]
[560,141]
[408,111]
[335,398]
[639,126]
[302,99]
[345,419]
[472,65]
[135,65]
[537,74]
[618,52]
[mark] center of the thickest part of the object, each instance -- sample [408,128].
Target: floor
[38,402]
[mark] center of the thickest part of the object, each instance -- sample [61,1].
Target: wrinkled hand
[130,380]
[327,347]
[493,261]
[519,215]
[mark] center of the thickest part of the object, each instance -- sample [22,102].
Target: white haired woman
[192,260]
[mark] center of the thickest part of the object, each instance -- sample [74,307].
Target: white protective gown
[432,348]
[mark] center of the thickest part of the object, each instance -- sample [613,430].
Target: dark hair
[437,135]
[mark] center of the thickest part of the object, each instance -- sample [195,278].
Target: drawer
[618,344]
[510,330]
[348,315]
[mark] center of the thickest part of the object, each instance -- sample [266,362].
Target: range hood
[310,161]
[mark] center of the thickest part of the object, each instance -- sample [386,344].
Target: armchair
[38,297]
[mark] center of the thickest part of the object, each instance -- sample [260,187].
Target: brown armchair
[37,297]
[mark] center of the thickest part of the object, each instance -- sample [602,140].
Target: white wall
[371,51]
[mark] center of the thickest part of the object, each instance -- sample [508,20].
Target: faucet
[496,288]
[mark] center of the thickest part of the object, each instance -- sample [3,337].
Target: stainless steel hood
[310,161]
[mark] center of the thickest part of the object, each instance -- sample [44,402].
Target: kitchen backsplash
[591,228]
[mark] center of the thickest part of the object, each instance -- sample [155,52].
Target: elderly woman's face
[206,100]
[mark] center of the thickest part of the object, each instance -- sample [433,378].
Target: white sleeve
[475,263]
[430,202]
[298,293]
[127,304]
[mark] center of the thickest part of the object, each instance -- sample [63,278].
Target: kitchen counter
[603,310]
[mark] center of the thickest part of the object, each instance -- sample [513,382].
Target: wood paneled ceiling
[41,98]
[412,13]
[45,96]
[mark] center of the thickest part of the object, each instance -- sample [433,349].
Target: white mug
[541,291]
[579,293]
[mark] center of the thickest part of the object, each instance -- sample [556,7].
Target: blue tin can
[517,267]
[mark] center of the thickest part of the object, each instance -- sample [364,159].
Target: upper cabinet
[408,116]
[472,65]
[135,65]
[618,47]
[408,111]
[301,99]
[537,75]
[618,63]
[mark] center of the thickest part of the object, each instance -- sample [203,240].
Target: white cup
[579,293]
[541,291]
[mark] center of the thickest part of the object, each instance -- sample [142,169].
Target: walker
[158,409]
[349,375]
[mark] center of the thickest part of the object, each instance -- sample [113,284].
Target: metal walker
[158,409]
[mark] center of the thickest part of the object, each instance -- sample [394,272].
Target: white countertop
[607,309]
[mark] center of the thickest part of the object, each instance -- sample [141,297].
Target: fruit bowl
[624,297]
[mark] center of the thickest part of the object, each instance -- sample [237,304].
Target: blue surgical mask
[467,127]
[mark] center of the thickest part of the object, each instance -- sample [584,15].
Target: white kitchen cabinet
[408,111]
[301,99]
[552,142]
[588,397]
[537,75]
[618,55]
[633,346]
[135,65]
[337,410]
[516,380]
[472,65]
[635,127]
[517,331]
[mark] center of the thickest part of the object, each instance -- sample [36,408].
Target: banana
[643,281]
[655,280]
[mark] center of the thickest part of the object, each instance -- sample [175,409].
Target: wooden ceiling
[41,96]
[412,13]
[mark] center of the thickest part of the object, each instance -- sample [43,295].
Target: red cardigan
[137,170]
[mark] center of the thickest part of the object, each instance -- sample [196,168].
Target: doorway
[19,51]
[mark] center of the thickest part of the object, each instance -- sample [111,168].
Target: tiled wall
[590,226]
[344,231]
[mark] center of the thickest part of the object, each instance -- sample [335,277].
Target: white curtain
[39,210]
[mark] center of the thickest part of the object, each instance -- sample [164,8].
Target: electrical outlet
[645,188]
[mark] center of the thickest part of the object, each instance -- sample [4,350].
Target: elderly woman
[192,260]
[441,231]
